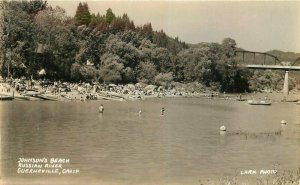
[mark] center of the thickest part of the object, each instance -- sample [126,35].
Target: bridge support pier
[286,85]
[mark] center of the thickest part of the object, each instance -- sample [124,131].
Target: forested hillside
[108,48]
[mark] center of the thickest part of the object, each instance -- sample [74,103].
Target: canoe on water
[259,102]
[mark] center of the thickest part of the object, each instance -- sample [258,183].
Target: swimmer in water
[101,109]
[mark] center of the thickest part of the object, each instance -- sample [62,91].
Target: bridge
[274,67]
[260,60]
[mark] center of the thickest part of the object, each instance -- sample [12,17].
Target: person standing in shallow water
[162,111]
[101,109]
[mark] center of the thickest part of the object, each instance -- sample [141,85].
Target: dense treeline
[110,49]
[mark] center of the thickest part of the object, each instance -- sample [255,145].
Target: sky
[255,26]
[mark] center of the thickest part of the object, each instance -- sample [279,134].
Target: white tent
[42,72]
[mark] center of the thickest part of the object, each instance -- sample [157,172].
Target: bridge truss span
[260,60]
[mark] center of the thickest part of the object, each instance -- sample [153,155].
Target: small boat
[259,102]
[47,97]
[6,97]
[109,98]
[31,93]
[292,100]
[33,98]
[20,97]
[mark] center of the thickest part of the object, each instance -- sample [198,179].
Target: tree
[18,28]
[17,61]
[161,57]
[128,75]
[33,7]
[164,79]
[160,38]
[57,35]
[75,72]
[96,20]
[234,79]
[266,80]
[196,65]
[129,54]
[111,68]
[131,37]
[147,31]
[88,73]
[82,15]
[229,47]
[110,16]
[120,24]
[2,42]
[146,72]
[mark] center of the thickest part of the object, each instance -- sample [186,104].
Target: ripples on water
[121,146]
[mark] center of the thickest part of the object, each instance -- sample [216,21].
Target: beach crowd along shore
[23,89]
[48,90]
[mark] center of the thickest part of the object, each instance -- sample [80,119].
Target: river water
[123,147]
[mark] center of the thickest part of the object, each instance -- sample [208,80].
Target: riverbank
[64,91]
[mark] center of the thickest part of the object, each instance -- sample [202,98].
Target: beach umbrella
[42,72]
[112,85]
[150,87]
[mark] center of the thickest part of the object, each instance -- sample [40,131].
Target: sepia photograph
[143,92]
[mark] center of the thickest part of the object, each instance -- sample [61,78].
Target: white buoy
[283,122]
[223,128]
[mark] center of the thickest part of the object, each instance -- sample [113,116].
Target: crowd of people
[92,90]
